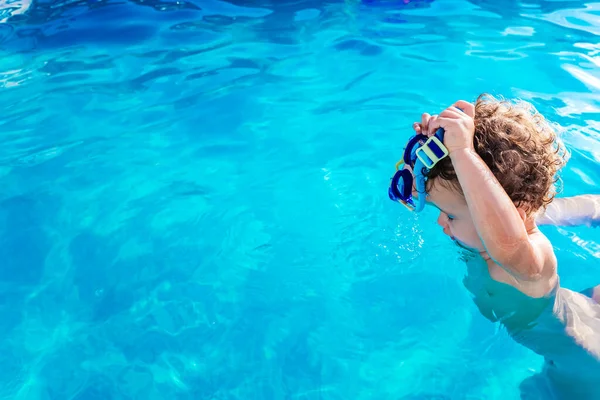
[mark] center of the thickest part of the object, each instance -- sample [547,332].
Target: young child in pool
[491,172]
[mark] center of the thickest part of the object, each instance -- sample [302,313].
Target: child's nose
[442,220]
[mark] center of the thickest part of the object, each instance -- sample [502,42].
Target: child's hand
[458,125]
[423,126]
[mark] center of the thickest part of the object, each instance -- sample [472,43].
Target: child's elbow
[531,273]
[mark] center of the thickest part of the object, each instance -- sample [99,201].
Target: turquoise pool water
[194,194]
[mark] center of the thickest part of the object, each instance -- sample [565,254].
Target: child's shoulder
[544,283]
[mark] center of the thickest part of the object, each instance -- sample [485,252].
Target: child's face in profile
[454,218]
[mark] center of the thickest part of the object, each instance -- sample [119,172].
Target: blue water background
[194,194]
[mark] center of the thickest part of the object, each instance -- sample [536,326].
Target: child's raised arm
[572,211]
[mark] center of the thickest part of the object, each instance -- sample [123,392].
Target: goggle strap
[420,185]
[432,151]
[408,151]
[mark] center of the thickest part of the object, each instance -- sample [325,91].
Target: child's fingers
[431,129]
[417,127]
[425,121]
[466,107]
[440,122]
[452,112]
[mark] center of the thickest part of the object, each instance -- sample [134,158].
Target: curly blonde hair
[519,146]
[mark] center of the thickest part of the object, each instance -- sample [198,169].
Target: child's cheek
[466,236]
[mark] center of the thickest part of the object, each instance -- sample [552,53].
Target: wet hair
[520,147]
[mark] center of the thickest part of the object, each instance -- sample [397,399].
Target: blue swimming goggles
[421,154]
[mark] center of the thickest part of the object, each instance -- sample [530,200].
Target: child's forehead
[445,198]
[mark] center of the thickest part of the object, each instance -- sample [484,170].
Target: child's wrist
[461,152]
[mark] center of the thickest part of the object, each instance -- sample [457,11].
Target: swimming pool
[194,194]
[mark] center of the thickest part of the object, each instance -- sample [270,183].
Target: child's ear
[524,217]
